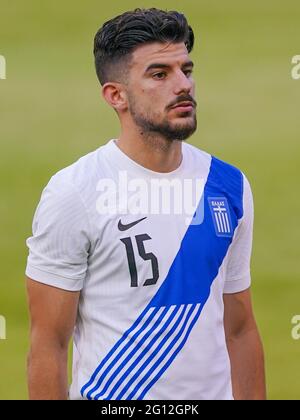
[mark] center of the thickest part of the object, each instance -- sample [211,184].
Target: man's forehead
[159,52]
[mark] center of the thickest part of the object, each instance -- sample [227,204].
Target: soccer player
[158,301]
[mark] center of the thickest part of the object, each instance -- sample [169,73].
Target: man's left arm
[244,347]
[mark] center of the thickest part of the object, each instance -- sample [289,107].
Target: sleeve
[238,276]
[59,245]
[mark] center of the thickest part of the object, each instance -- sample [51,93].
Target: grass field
[51,113]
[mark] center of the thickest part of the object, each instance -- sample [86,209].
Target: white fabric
[75,248]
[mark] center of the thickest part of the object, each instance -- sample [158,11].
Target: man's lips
[184,106]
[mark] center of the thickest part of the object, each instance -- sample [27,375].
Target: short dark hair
[118,37]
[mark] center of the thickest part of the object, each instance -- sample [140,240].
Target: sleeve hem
[51,279]
[238,285]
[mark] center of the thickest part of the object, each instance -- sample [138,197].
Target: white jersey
[150,316]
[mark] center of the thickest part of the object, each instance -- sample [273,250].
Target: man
[160,301]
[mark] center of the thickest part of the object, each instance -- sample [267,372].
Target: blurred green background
[51,113]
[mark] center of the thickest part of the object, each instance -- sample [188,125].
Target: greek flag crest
[221,216]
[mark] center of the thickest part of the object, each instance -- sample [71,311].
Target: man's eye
[159,76]
[188,73]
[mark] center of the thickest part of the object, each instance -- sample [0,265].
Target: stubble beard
[170,132]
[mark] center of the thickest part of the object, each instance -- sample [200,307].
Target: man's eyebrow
[167,66]
[188,64]
[157,66]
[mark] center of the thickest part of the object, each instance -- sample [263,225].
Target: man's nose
[183,83]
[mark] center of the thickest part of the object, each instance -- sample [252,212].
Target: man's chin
[171,129]
[183,131]
[181,134]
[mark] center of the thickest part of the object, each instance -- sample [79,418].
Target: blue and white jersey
[151,281]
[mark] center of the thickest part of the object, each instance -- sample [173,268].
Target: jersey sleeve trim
[53,279]
[238,284]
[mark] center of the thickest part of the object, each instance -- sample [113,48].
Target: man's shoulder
[219,166]
[219,163]
[196,152]
[224,176]
[81,174]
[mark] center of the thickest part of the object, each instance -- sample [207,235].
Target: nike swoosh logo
[129,225]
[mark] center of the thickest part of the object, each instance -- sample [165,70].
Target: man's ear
[115,95]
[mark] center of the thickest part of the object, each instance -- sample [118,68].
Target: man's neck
[152,152]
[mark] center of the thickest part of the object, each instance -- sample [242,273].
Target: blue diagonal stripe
[128,357]
[153,352]
[119,343]
[157,350]
[165,367]
[140,356]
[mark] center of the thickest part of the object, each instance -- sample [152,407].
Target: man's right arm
[53,314]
